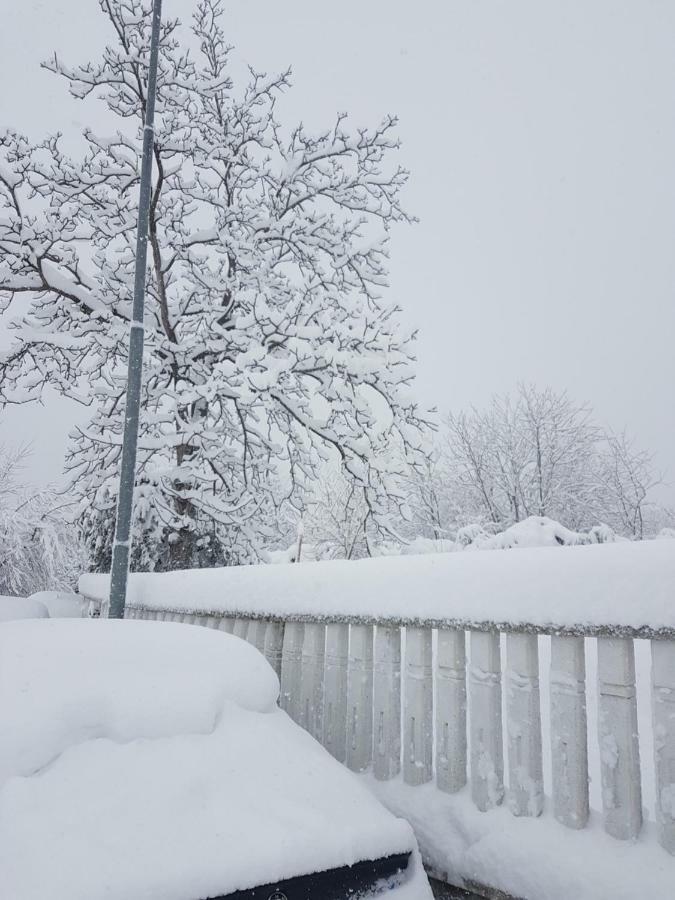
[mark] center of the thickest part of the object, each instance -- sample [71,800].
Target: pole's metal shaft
[125,502]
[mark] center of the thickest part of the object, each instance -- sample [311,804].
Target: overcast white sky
[541,138]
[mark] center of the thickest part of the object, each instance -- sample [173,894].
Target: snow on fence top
[626,588]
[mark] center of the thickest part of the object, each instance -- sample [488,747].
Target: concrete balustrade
[424,699]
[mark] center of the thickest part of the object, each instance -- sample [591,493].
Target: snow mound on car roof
[65,681]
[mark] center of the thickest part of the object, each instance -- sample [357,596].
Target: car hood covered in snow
[146,760]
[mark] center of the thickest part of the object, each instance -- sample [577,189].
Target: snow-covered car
[150,761]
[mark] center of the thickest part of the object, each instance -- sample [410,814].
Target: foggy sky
[541,139]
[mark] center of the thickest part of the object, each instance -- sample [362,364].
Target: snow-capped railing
[423,696]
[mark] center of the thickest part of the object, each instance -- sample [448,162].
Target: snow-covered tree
[39,547]
[433,505]
[538,453]
[269,346]
[336,520]
[627,476]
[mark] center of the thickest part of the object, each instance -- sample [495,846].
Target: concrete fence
[393,698]
[469,671]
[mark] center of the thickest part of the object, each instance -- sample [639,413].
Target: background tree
[434,504]
[39,548]
[627,476]
[268,344]
[332,520]
[537,453]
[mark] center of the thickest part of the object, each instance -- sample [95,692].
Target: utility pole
[125,502]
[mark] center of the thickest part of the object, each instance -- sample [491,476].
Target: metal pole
[125,501]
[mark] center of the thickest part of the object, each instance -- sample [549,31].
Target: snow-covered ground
[534,858]
[145,760]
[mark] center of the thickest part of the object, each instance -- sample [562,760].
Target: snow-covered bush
[535,531]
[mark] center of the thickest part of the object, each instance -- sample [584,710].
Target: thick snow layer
[528,857]
[153,763]
[61,604]
[65,681]
[623,584]
[12,608]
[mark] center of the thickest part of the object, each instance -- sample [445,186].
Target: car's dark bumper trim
[335,884]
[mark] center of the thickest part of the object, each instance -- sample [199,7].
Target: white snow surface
[528,857]
[626,584]
[12,608]
[68,681]
[149,760]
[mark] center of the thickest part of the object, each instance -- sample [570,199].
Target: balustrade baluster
[311,679]
[360,698]
[240,628]
[487,754]
[523,725]
[618,735]
[226,624]
[663,707]
[451,710]
[291,663]
[255,634]
[387,703]
[274,640]
[569,743]
[419,700]
[335,691]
